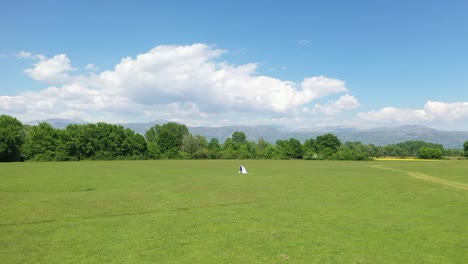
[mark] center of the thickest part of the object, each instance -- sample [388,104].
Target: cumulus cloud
[432,113]
[345,102]
[29,55]
[191,74]
[317,87]
[68,101]
[172,82]
[53,70]
[91,67]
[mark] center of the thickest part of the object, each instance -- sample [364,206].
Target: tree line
[104,141]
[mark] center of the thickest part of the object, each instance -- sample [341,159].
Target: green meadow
[205,212]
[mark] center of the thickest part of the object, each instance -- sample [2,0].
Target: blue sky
[291,63]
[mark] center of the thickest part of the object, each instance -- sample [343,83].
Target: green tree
[395,151]
[247,150]
[295,148]
[282,149]
[133,145]
[202,151]
[327,145]
[352,151]
[429,153]
[103,142]
[310,149]
[236,146]
[289,149]
[374,151]
[229,150]
[214,149]
[263,149]
[82,141]
[189,144]
[165,141]
[409,148]
[12,137]
[453,153]
[42,142]
[465,149]
[239,137]
[270,152]
[195,146]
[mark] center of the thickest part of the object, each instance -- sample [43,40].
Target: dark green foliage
[289,149]
[11,138]
[453,152]
[352,151]
[91,141]
[248,150]
[264,149]
[239,137]
[214,144]
[409,148]
[214,149]
[229,150]
[375,151]
[327,145]
[165,141]
[310,149]
[465,149]
[42,143]
[194,147]
[104,141]
[429,153]
[237,147]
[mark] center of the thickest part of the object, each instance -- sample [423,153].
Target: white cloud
[191,74]
[13,104]
[433,113]
[29,55]
[91,67]
[320,86]
[446,111]
[68,101]
[345,102]
[51,70]
[189,83]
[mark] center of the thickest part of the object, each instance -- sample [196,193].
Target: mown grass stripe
[425,177]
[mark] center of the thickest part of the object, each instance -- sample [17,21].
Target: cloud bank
[433,113]
[53,70]
[185,83]
[192,84]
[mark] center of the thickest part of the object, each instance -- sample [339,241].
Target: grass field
[205,212]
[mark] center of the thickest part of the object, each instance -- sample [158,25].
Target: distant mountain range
[57,122]
[380,136]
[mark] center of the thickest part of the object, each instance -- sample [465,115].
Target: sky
[291,63]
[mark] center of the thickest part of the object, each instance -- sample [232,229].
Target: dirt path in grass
[426,177]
